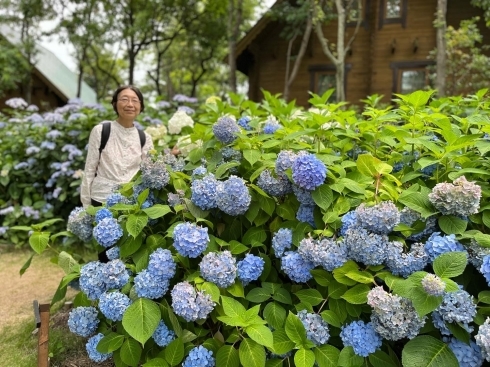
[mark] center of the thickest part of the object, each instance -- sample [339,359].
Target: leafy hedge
[292,237]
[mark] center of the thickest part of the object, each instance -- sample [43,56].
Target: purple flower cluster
[189,304]
[368,248]
[308,171]
[461,198]
[226,129]
[405,263]
[190,240]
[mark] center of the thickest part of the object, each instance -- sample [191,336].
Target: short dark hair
[134,89]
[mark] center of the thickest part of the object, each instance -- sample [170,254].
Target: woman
[120,159]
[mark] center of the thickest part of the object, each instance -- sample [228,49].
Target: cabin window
[393,9]
[325,82]
[410,76]
[353,13]
[392,12]
[322,78]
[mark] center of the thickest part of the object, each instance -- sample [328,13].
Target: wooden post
[41,314]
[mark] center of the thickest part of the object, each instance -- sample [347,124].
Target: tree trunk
[440,24]
[340,65]
[234,21]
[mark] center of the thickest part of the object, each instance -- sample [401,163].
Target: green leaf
[155,362]
[357,295]
[360,276]
[321,276]
[131,352]
[39,241]
[221,170]
[282,344]
[211,289]
[157,211]
[418,99]
[371,166]
[231,307]
[340,273]
[450,264]
[304,358]
[130,245]
[424,303]
[283,296]
[174,352]
[141,319]
[110,343]
[348,358]
[452,225]
[254,234]
[136,223]
[331,318]
[236,290]
[251,155]
[67,262]
[295,329]
[381,359]
[275,315]
[323,196]
[483,239]
[426,351]
[251,354]
[261,334]
[309,296]
[227,356]
[258,295]
[26,265]
[326,355]
[459,332]
[418,202]
[484,296]
[195,210]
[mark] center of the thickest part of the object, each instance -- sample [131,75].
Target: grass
[18,347]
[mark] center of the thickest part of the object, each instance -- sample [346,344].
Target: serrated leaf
[331,318]
[157,211]
[381,359]
[26,265]
[326,355]
[251,156]
[304,358]
[141,319]
[323,196]
[155,362]
[426,351]
[424,303]
[309,296]
[282,344]
[295,329]
[258,295]
[321,276]
[283,296]
[251,354]
[348,358]
[261,334]
[257,234]
[450,264]
[418,202]
[452,225]
[483,239]
[232,307]
[484,296]
[174,352]
[67,262]
[136,223]
[110,343]
[360,276]
[211,289]
[227,356]
[131,352]
[275,315]
[39,241]
[357,295]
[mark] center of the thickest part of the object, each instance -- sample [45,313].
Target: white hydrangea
[179,120]
[185,144]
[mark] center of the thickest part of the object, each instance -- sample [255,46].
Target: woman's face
[128,104]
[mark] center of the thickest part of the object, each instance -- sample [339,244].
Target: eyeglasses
[125,100]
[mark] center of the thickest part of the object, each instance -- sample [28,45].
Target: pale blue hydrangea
[305,214]
[271,126]
[250,268]
[115,198]
[405,263]
[21,165]
[92,352]
[161,264]
[232,196]
[483,339]
[199,357]
[433,285]
[244,122]
[101,214]
[83,321]
[198,172]
[175,199]
[409,217]
[485,268]
[273,186]
[308,171]
[393,317]
[219,268]
[163,335]
[349,220]
[362,337]
[229,154]
[115,274]
[368,248]
[284,161]
[295,267]
[316,328]
[48,145]
[380,219]
[281,241]
[53,134]
[163,104]
[154,173]
[190,239]
[304,196]
[226,129]
[80,224]
[476,253]
[113,253]
[113,305]
[439,323]
[203,192]
[189,304]
[107,232]
[148,286]
[467,355]
[461,198]
[437,245]
[92,281]
[457,307]
[323,252]
[16,103]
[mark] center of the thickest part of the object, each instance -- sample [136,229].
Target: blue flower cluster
[115,198]
[368,248]
[461,198]
[439,323]
[163,335]
[115,274]
[393,317]
[161,264]
[190,240]
[113,305]
[148,286]
[323,252]
[380,219]
[405,263]
[219,268]
[101,214]
[295,267]
[433,285]
[457,307]
[113,253]
[476,254]
[80,224]
[232,196]
[271,126]
[198,172]
[308,171]
[244,122]
[92,351]
[409,217]
[282,240]
[250,268]
[83,321]
[483,339]
[485,268]
[284,161]
[273,186]
[203,192]
[349,220]
[199,357]
[304,196]
[107,232]
[305,214]
[154,173]
[437,245]
[467,355]
[226,129]
[362,337]
[92,281]
[316,328]
[189,304]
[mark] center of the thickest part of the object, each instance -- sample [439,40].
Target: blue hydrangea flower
[270,127]
[361,337]
[483,339]
[113,305]
[101,214]
[282,240]
[244,122]
[148,286]
[303,196]
[433,285]
[189,304]
[368,248]
[190,240]
[92,352]
[278,187]
[323,252]
[295,267]
[457,307]
[226,129]
[199,357]
[219,268]
[163,335]
[80,224]
[114,198]
[305,214]
[198,172]
[161,264]
[203,192]
[461,198]
[115,274]
[316,328]
[405,263]
[485,268]
[154,173]
[437,245]
[113,253]
[229,154]
[409,217]
[380,219]
[439,323]
[284,161]
[308,171]
[107,232]
[83,321]
[92,281]
[250,268]
[467,355]
[349,220]
[476,254]
[232,196]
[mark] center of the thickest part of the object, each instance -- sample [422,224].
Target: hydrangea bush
[298,244]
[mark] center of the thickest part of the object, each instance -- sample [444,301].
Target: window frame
[319,69]
[401,66]
[401,20]
[366,5]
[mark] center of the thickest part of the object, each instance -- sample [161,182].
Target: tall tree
[235,15]
[440,25]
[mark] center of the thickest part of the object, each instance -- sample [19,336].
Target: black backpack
[106,131]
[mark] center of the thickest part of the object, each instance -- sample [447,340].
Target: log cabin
[389,54]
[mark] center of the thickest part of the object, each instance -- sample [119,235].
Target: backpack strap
[142,138]
[106,132]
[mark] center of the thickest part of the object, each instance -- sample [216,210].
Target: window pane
[326,82]
[412,80]
[393,9]
[353,14]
